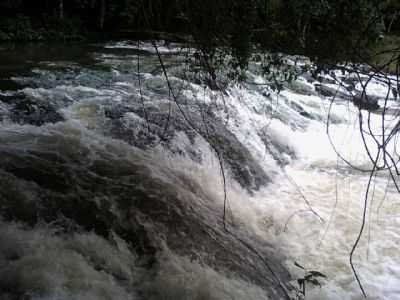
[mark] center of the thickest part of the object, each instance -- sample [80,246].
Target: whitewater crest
[111,188]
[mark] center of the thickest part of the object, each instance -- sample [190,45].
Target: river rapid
[111,185]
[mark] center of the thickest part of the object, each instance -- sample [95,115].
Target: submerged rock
[23,109]
[28,111]
[156,125]
[328,91]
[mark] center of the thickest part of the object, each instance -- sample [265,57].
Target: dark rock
[308,77]
[157,126]
[306,115]
[279,152]
[243,166]
[351,81]
[299,109]
[395,92]
[301,88]
[27,111]
[324,79]
[11,97]
[366,102]
[331,91]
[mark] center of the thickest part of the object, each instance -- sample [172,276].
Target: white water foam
[280,213]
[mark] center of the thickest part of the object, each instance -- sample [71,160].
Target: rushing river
[111,186]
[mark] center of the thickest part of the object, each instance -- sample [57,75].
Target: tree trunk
[61,9]
[102,13]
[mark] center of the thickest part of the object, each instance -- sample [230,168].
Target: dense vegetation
[322,29]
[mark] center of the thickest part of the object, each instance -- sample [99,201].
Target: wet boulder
[328,91]
[29,111]
[326,79]
[366,102]
[158,125]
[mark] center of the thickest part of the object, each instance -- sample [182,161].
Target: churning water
[112,189]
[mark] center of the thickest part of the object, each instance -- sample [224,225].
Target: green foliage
[327,31]
[18,28]
[22,28]
[383,54]
[323,30]
[226,32]
[4,36]
[125,12]
[63,29]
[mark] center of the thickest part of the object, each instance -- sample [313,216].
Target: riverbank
[25,29]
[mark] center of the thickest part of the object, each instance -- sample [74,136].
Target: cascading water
[109,189]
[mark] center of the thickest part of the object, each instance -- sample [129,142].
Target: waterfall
[112,189]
